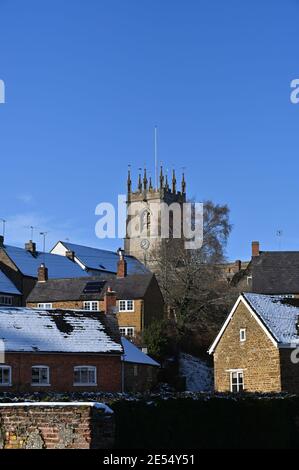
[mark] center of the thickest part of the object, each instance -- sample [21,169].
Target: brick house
[269,272]
[136,299]
[9,294]
[255,350]
[21,265]
[69,351]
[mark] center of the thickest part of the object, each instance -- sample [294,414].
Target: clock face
[145,244]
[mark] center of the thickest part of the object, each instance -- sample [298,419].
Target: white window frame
[88,306]
[5,367]
[6,300]
[123,306]
[39,384]
[125,332]
[242,335]
[89,369]
[45,306]
[239,383]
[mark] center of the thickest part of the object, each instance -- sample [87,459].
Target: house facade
[136,300]
[256,349]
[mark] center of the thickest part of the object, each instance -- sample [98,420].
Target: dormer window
[242,335]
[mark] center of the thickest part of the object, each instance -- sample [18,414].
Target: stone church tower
[143,235]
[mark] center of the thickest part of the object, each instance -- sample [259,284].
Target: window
[236,381]
[242,335]
[85,375]
[40,376]
[92,306]
[5,300]
[126,305]
[5,376]
[45,306]
[127,331]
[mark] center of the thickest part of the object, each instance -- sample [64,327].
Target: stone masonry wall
[257,356]
[55,427]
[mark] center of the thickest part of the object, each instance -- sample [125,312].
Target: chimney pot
[42,273]
[70,255]
[255,249]
[30,246]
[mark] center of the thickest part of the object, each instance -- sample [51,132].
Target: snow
[279,316]
[134,355]
[28,330]
[98,406]
[199,376]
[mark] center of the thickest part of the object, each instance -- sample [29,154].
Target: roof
[58,290]
[277,316]
[103,260]
[135,356]
[58,331]
[28,263]
[275,272]
[7,286]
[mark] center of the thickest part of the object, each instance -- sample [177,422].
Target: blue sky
[87,81]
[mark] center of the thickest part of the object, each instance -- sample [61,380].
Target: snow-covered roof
[67,331]
[28,263]
[102,260]
[134,355]
[279,314]
[6,285]
[276,314]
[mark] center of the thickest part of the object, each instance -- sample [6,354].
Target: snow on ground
[199,376]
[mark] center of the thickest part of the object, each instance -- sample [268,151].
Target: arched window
[145,221]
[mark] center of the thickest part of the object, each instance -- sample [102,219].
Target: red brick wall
[62,372]
[55,427]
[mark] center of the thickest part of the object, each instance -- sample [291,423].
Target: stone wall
[257,356]
[57,426]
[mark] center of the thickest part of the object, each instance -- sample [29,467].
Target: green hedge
[211,423]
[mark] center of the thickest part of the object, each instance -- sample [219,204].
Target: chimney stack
[42,273]
[255,249]
[110,302]
[30,246]
[122,266]
[70,255]
[1,241]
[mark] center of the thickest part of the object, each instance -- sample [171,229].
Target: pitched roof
[277,315]
[275,272]
[28,263]
[58,290]
[134,355]
[7,286]
[29,330]
[103,260]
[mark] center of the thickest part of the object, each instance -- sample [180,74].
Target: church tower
[144,232]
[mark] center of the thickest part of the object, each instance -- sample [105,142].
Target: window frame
[126,309]
[45,306]
[6,297]
[40,367]
[89,369]
[9,368]
[126,328]
[240,384]
[90,302]
[243,335]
